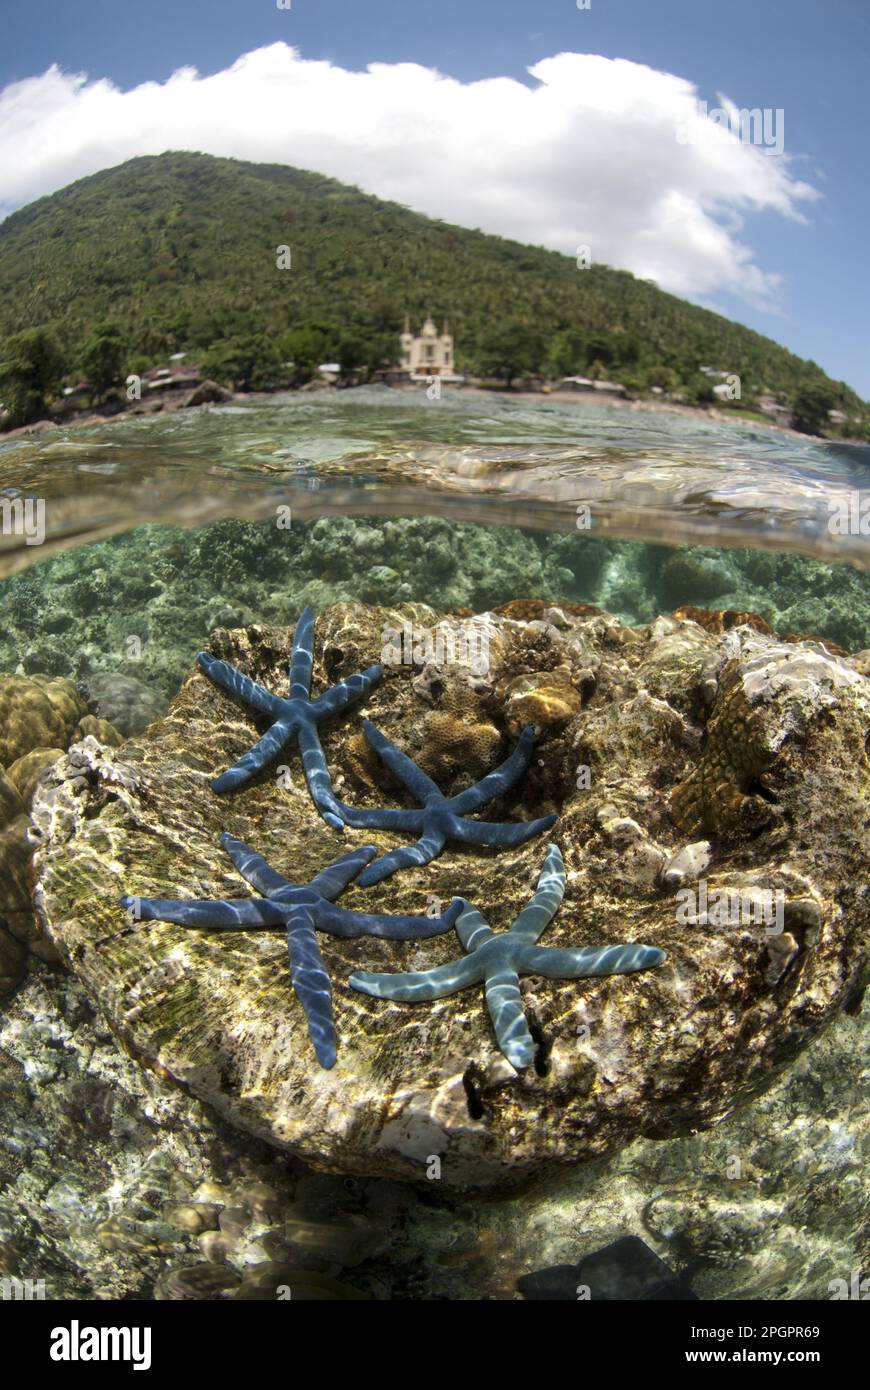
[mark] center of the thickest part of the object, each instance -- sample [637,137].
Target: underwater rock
[26,771]
[626,1270]
[424,1087]
[208,393]
[124,701]
[98,1156]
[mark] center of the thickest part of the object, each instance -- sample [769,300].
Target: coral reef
[615,1059]
[40,717]
[138,604]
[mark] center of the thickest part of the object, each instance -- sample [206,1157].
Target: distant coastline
[172,401]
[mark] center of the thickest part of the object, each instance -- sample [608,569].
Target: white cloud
[588,154]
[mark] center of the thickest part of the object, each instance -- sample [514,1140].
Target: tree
[510,350]
[699,390]
[350,354]
[664,377]
[30,374]
[810,404]
[250,362]
[103,359]
[307,345]
[565,354]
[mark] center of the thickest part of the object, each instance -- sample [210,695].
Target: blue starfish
[300,909]
[498,961]
[299,715]
[441,818]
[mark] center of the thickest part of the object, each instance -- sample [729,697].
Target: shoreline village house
[426,356]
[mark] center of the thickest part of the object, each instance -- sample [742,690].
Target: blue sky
[806,58]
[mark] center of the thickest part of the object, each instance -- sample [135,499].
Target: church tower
[407,343]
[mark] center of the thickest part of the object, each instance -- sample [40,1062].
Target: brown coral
[527,610]
[715,797]
[102,730]
[40,716]
[37,712]
[718,620]
[25,772]
[458,737]
[543,698]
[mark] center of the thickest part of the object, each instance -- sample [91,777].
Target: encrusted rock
[26,771]
[688,863]
[122,700]
[658,1054]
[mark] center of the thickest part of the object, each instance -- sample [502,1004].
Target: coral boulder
[712,792]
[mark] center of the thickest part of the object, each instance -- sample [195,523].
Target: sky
[557,125]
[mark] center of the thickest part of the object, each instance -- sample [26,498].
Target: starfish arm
[505,1005]
[346,692]
[380,818]
[256,758]
[401,765]
[237,684]
[472,928]
[572,964]
[302,656]
[505,834]
[242,914]
[317,775]
[335,877]
[311,983]
[498,781]
[414,986]
[423,852]
[401,927]
[253,867]
[545,904]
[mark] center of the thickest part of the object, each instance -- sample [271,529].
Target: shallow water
[659,477]
[158,529]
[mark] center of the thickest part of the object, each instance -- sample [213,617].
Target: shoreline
[171,402]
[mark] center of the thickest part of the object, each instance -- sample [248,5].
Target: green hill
[179,252]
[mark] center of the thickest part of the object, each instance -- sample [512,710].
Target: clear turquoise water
[158,529]
[162,527]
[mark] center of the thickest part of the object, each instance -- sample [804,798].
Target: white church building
[428,355]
